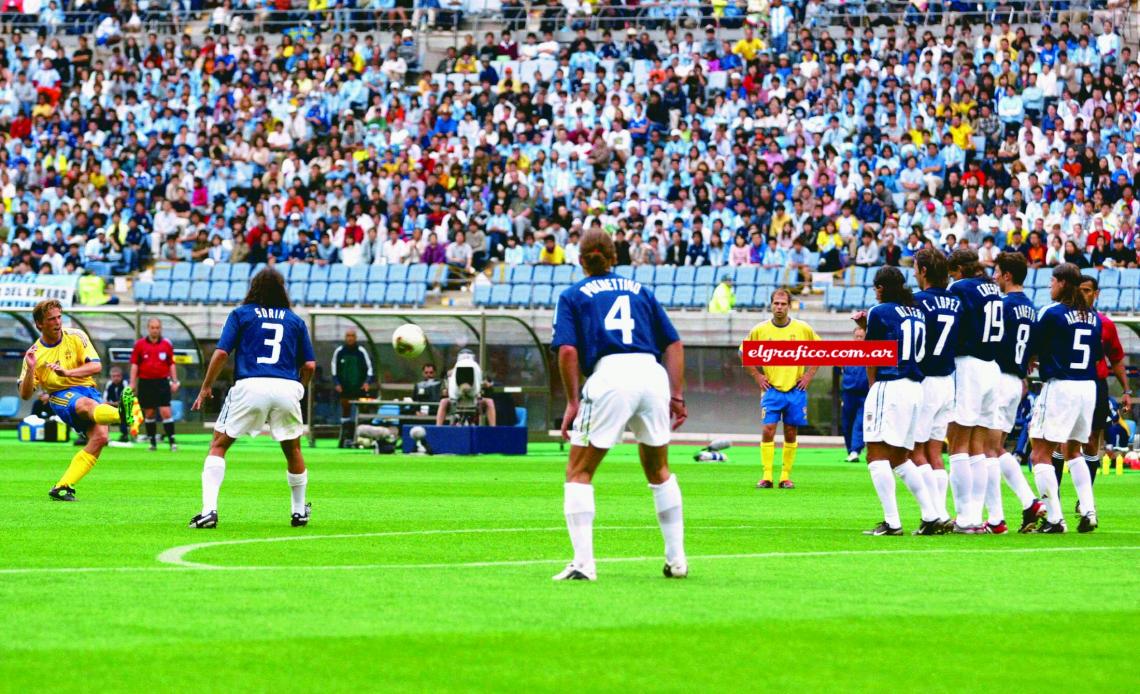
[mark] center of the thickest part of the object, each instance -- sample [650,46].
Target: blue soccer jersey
[906,326]
[982,326]
[607,314]
[940,310]
[270,342]
[1067,342]
[1019,315]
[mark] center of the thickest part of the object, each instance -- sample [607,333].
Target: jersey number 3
[273,342]
[620,318]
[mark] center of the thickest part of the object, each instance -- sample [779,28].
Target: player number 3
[273,343]
[620,318]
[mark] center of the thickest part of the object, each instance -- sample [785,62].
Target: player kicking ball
[613,330]
[1066,341]
[894,402]
[273,363]
[64,362]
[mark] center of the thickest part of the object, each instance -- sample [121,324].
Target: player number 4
[620,318]
[273,343]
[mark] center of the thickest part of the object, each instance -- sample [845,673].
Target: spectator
[552,253]
[867,255]
[723,298]
[1075,256]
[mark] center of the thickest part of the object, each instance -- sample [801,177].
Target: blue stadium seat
[859,276]
[416,294]
[1109,299]
[682,295]
[1041,279]
[338,273]
[518,274]
[336,293]
[768,275]
[181,271]
[853,298]
[300,272]
[1128,298]
[557,292]
[142,291]
[374,293]
[481,294]
[9,407]
[747,275]
[316,293]
[1130,278]
[355,293]
[576,274]
[542,296]
[199,292]
[626,271]
[200,271]
[1042,299]
[543,274]
[1030,277]
[237,291]
[833,298]
[701,295]
[319,273]
[397,273]
[242,271]
[685,275]
[869,299]
[520,295]
[162,273]
[707,274]
[644,274]
[220,273]
[1030,292]
[219,292]
[664,295]
[745,296]
[394,294]
[377,273]
[358,273]
[418,274]
[500,295]
[564,273]
[179,291]
[664,275]
[160,293]
[1109,279]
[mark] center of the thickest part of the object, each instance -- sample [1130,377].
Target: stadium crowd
[791,146]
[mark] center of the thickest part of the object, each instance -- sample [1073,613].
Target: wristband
[677,399]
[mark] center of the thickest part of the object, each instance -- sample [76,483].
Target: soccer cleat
[173,447]
[205,520]
[945,526]
[1057,528]
[1077,508]
[1088,523]
[129,411]
[999,528]
[852,457]
[967,529]
[1031,516]
[764,484]
[883,529]
[573,573]
[301,520]
[787,484]
[929,528]
[62,493]
[677,570]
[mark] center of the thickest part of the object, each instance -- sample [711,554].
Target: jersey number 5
[273,342]
[1079,346]
[620,318]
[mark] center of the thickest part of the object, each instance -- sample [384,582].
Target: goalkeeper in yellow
[784,389]
[64,362]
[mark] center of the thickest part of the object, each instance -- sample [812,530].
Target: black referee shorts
[1100,420]
[154,392]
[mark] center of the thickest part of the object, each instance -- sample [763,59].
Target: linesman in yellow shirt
[64,362]
[784,388]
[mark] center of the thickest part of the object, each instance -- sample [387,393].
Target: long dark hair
[892,285]
[934,263]
[1071,295]
[965,260]
[267,288]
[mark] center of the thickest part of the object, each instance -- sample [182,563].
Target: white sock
[931,484]
[942,479]
[578,505]
[667,501]
[909,473]
[1011,472]
[884,483]
[993,491]
[1082,480]
[213,472]
[1047,490]
[961,485]
[297,484]
[980,479]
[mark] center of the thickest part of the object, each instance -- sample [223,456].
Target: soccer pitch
[434,574]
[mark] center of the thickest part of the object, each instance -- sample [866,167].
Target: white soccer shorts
[254,401]
[1007,398]
[1064,411]
[624,390]
[975,385]
[891,412]
[935,410]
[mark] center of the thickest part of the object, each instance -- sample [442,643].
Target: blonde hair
[596,252]
[41,310]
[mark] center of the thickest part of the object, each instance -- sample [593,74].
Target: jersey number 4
[620,318]
[273,342]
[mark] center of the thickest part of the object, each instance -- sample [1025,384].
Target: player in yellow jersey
[784,389]
[63,362]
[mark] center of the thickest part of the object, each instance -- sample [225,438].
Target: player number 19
[994,329]
[620,318]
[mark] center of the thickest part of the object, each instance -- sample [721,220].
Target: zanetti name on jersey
[938,301]
[610,284]
[1024,312]
[269,313]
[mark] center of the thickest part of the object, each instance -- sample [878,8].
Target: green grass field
[434,574]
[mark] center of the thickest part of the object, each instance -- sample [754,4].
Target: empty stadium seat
[336,293]
[160,292]
[563,274]
[316,292]
[377,273]
[859,277]
[833,298]
[237,291]
[397,273]
[701,296]
[543,274]
[708,275]
[358,273]
[518,274]
[219,292]
[1042,299]
[200,271]
[394,293]
[542,295]
[355,293]
[1130,278]
[1041,279]
[299,272]
[415,295]
[626,271]
[162,273]
[665,295]
[181,271]
[179,291]
[374,293]
[520,295]
[319,273]
[747,275]
[644,274]
[745,296]
[418,274]
[664,275]
[1030,277]
[500,295]
[768,275]
[1128,299]
[142,291]
[682,295]
[1109,299]
[199,292]
[242,271]
[685,275]
[338,273]
[219,273]
[481,294]
[1109,279]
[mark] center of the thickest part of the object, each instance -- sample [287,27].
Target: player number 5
[620,318]
[1079,346]
[273,343]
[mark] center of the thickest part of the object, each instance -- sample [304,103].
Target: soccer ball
[1132,460]
[417,433]
[409,341]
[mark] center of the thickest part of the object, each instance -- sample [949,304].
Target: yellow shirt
[73,350]
[555,257]
[963,135]
[748,49]
[782,378]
